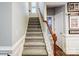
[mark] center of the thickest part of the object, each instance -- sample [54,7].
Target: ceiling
[55,4]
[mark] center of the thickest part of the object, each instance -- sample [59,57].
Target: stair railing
[53,34]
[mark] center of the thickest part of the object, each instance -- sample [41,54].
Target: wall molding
[18,45]
[11,50]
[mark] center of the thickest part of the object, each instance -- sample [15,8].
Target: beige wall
[5,24]
[13,22]
[19,21]
[43,9]
[60,26]
[13,25]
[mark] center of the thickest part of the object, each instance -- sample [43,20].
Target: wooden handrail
[53,34]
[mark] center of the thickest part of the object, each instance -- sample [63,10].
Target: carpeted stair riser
[34,52]
[33,23]
[33,18]
[32,45]
[34,35]
[34,40]
[34,30]
[33,26]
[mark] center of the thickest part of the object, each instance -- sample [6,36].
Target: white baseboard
[18,47]
[15,50]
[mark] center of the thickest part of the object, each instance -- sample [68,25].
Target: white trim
[46,37]
[5,48]
[17,43]
[11,49]
[18,47]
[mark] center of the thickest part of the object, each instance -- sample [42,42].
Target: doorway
[51,23]
[60,26]
[33,9]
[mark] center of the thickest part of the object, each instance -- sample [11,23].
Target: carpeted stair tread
[35,43]
[34,52]
[30,34]
[33,25]
[34,32]
[31,30]
[34,37]
[34,40]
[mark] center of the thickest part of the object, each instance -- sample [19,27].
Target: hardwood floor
[59,51]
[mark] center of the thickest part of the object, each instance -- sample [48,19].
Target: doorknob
[29,10]
[61,33]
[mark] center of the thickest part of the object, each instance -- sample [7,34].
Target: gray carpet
[34,41]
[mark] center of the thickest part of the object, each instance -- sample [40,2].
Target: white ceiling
[55,4]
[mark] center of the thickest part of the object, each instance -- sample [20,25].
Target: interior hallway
[37,29]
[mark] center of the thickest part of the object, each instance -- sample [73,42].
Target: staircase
[34,41]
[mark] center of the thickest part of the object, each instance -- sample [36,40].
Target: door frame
[53,27]
[30,8]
